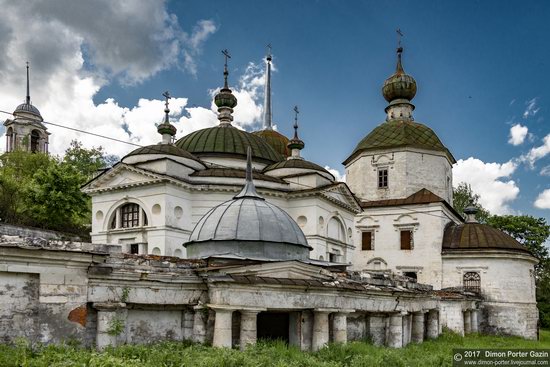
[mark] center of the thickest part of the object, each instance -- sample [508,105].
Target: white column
[433,324]
[222,327]
[474,321]
[377,329]
[108,320]
[395,334]
[467,322]
[406,329]
[340,327]
[199,324]
[187,324]
[249,332]
[320,335]
[417,334]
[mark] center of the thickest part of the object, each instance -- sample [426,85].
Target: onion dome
[296,144]
[400,85]
[225,139]
[248,226]
[399,133]
[476,237]
[276,140]
[300,164]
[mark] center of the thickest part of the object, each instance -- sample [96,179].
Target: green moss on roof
[166,149]
[228,140]
[296,163]
[276,140]
[400,133]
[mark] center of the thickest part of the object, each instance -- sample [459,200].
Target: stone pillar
[377,329]
[395,334]
[249,331]
[319,339]
[433,324]
[110,324]
[417,333]
[187,323]
[467,322]
[340,327]
[200,318]
[222,327]
[474,321]
[406,329]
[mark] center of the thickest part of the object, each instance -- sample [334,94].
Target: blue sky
[478,65]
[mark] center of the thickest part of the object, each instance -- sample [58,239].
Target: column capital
[109,306]
[222,308]
[326,310]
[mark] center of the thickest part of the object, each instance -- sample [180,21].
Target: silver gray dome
[250,227]
[28,108]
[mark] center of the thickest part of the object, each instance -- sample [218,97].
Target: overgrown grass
[171,354]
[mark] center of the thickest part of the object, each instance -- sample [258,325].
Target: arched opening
[178,253]
[129,215]
[336,230]
[156,251]
[472,282]
[9,139]
[35,141]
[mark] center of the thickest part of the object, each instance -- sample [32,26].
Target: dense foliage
[531,232]
[430,353]
[43,191]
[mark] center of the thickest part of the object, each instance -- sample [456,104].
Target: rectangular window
[382,178]
[367,241]
[130,215]
[406,240]
[134,248]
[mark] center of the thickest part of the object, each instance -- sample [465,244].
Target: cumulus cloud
[490,181]
[537,153]
[77,47]
[339,176]
[531,108]
[543,200]
[518,133]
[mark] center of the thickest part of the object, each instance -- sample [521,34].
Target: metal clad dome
[276,140]
[166,149]
[28,108]
[478,237]
[296,163]
[249,227]
[228,140]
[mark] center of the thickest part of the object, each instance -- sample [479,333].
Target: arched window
[128,216]
[336,230]
[472,282]
[35,139]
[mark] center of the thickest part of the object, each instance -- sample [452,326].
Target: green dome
[401,133]
[166,149]
[225,98]
[399,86]
[296,163]
[276,140]
[228,140]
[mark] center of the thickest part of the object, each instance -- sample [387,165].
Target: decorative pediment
[121,176]
[341,195]
[286,269]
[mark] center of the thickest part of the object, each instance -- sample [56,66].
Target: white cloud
[488,180]
[543,200]
[339,176]
[545,171]
[76,47]
[531,109]
[537,153]
[518,133]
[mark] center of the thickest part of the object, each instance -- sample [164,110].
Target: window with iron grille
[130,215]
[406,239]
[472,282]
[367,241]
[382,178]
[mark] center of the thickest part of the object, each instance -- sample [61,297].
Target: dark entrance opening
[411,274]
[273,326]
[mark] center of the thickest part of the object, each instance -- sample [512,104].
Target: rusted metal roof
[423,196]
[234,173]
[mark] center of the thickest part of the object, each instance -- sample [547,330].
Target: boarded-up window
[367,241]
[406,240]
[382,178]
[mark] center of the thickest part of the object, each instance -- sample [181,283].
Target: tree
[463,196]
[86,161]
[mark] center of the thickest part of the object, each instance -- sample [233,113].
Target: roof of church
[234,173]
[401,133]
[228,140]
[28,108]
[167,149]
[276,140]
[478,237]
[296,163]
[423,196]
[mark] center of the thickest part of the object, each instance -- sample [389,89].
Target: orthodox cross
[166,109]
[225,72]
[296,112]
[269,50]
[399,35]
